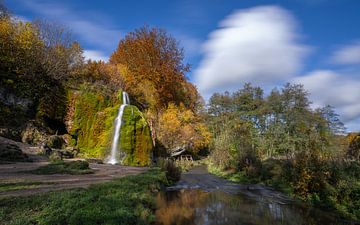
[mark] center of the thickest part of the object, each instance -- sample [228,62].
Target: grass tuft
[61,167]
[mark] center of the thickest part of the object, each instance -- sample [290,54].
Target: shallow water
[201,198]
[194,206]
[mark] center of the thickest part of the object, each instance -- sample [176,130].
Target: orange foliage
[180,127]
[153,70]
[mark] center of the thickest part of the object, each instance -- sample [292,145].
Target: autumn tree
[181,128]
[35,63]
[153,61]
[152,71]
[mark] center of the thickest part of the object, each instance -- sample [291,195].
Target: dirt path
[17,172]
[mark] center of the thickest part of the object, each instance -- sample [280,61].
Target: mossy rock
[11,153]
[92,123]
[55,141]
[135,138]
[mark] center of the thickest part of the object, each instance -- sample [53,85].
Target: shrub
[61,167]
[173,173]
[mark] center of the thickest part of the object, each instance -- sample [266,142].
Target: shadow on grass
[128,200]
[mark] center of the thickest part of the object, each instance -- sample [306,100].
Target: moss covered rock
[90,119]
[135,138]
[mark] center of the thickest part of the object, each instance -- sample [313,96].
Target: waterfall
[115,154]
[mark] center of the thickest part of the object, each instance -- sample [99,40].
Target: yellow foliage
[180,127]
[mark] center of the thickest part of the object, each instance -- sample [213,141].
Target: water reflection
[198,207]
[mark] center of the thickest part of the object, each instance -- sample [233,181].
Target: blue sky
[269,43]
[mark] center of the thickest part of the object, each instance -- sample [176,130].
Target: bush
[173,173]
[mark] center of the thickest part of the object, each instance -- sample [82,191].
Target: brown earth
[18,173]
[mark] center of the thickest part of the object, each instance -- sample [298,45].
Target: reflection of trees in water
[179,207]
[199,207]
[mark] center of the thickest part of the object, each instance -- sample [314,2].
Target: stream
[202,198]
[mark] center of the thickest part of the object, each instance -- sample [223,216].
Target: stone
[66,154]
[56,156]
[94,160]
[55,141]
[74,150]
[45,149]
[10,152]
[33,134]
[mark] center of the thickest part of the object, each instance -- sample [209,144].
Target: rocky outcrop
[135,138]
[90,121]
[10,152]
[34,134]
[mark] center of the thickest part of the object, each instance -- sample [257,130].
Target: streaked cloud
[347,55]
[258,45]
[89,27]
[328,87]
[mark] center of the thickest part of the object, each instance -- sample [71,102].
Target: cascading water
[115,154]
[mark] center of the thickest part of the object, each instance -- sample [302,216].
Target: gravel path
[17,172]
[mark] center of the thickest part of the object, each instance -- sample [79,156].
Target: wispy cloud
[87,27]
[340,90]
[257,45]
[347,55]
[261,45]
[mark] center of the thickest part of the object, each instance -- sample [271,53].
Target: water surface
[201,198]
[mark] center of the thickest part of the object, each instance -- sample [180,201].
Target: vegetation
[280,141]
[153,73]
[43,69]
[35,61]
[20,185]
[46,88]
[172,171]
[63,167]
[127,200]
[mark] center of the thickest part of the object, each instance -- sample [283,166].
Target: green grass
[128,200]
[19,186]
[61,167]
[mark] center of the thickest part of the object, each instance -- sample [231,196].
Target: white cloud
[342,91]
[89,27]
[349,54]
[189,43]
[257,45]
[95,55]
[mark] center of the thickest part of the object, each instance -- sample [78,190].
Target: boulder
[55,141]
[10,152]
[74,150]
[45,149]
[34,134]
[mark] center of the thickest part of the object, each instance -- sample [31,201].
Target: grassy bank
[331,185]
[62,167]
[127,200]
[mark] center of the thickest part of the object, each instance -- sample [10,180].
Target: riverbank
[336,190]
[203,198]
[127,200]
